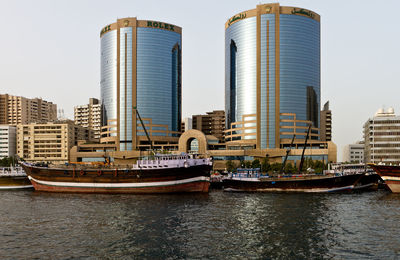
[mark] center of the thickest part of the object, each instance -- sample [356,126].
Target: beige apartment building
[382,138]
[20,110]
[89,116]
[49,142]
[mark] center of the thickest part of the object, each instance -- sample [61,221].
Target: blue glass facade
[298,69]
[158,72]
[267,115]
[157,83]
[243,35]
[108,76]
[232,99]
[176,88]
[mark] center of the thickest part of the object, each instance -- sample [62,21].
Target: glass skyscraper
[272,75]
[140,69]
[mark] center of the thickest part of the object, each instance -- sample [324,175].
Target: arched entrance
[193,145]
[187,137]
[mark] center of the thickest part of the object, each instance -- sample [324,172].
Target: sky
[51,49]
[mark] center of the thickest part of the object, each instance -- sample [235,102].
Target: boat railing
[156,161]
[12,171]
[171,161]
[167,157]
[245,175]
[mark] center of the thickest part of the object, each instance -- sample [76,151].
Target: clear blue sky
[50,49]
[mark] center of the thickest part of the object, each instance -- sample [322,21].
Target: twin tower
[272,79]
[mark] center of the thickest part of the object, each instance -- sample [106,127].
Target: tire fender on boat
[99,173]
[81,173]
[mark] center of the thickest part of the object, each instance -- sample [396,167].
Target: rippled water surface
[216,226]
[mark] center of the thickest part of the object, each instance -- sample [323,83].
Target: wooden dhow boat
[157,174]
[369,182]
[251,180]
[390,174]
[14,178]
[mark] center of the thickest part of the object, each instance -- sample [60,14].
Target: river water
[217,225]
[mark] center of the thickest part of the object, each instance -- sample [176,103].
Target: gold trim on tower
[272,9]
[267,142]
[258,91]
[118,88]
[134,87]
[125,83]
[133,22]
[277,78]
[159,25]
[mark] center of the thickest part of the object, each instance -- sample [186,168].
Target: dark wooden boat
[161,174]
[369,182]
[390,174]
[158,174]
[216,181]
[253,182]
[14,178]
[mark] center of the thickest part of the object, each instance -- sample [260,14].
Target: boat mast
[304,148]
[144,128]
[287,154]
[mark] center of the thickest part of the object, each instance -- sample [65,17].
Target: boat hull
[390,174]
[369,182]
[15,182]
[192,179]
[392,184]
[294,184]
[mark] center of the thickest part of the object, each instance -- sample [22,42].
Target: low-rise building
[90,116]
[50,142]
[7,141]
[213,123]
[354,153]
[382,137]
[207,145]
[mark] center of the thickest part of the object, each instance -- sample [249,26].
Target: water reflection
[279,226]
[162,228]
[216,226]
